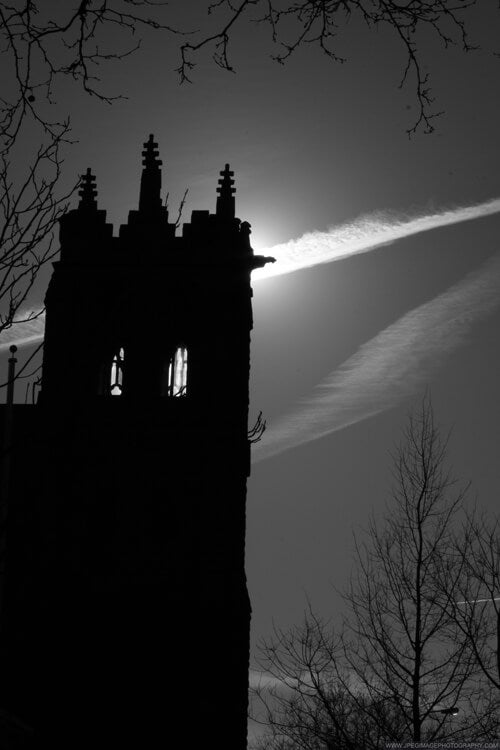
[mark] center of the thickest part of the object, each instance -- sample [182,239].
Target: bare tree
[402,643]
[307,699]
[401,661]
[475,603]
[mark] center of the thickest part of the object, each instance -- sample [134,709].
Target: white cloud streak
[260,680]
[361,236]
[390,367]
[24,333]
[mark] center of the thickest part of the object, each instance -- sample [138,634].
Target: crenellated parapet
[148,236]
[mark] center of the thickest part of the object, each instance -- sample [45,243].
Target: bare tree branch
[256,432]
[321,23]
[30,208]
[40,46]
[475,603]
[401,663]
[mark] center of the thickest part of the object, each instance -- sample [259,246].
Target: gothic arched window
[116,379]
[176,384]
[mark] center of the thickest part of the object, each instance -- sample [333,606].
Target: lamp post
[5,461]
[451,711]
[12,375]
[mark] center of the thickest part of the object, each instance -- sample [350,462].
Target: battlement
[148,236]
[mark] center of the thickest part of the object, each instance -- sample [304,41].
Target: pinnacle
[150,154]
[226,182]
[225,200]
[87,191]
[150,193]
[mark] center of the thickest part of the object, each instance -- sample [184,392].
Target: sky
[391,290]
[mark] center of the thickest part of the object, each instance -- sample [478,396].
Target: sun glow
[314,248]
[361,236]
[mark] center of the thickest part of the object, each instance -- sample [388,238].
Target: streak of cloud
[260,680]
[361,236]
[24,333]
[390,367]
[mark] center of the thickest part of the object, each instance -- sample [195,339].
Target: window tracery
[177,373]
[116,378]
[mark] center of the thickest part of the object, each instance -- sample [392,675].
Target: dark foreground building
[126,615]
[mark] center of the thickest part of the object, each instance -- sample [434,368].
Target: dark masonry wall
[125,612]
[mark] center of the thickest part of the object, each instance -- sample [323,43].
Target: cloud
[24,333]
[361,236]
[393,365]
[260,680]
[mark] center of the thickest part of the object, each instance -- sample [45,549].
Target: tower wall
[134,597]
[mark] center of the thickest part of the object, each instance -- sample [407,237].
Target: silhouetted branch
[321,22]
[30,208]
[181,208]
[219,40]
[22,369]
[475,603]
[32,386]
[41,45]
[400,661]
[256,432]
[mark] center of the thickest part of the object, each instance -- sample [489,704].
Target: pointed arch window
[177,373]
[116,377]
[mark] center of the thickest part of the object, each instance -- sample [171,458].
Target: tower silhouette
[126,614]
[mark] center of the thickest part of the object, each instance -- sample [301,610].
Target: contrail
[393,365]
[362,235]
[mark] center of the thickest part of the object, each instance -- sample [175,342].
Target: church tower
[136,612]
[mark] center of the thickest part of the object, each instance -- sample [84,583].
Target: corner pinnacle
[225,200]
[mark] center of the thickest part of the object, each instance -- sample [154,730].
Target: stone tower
[126,609]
